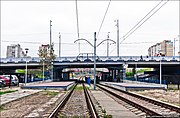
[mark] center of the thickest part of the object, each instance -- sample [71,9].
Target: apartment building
[14,51]
[164,48]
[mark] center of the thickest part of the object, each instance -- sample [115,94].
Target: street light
[160,69]
[52,70]
[174,45]
[136,71]
[43,59]
[94,46]
[26,49]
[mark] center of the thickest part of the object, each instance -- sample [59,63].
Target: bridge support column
[124,74]
[118,76]
[115,76]
[134,72]
[57,74]
[110,78]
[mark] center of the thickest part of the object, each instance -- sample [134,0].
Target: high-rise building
[164,48]
[14,51]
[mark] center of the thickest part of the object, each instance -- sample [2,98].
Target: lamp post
[95,60]
[160,69]
[174,45]
[52,70]
[26,49]
[43,68]
[136,71]
[94,46]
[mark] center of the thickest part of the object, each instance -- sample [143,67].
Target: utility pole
[79,47]
[174,46]
[59,44]
[51,49]
[108,45]
[26,49]
[117,37]
[95,60]
[160,72]
[50,35]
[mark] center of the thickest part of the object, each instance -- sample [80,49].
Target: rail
[142,108]
[61,104]
[90,104]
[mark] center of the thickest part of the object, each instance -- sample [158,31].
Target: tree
[46,55]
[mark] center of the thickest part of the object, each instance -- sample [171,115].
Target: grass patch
[71,87]
[172,86]
[79,88]
[104,111]
[107,116]
[8,91]
[50,93]
[1,108]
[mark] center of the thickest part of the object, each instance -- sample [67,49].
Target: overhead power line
[104,18]
[36,42]
[129,33]
[70,43]
[143,18]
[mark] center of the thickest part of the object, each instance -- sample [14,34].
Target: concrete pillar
[118,76]
[110,75]
[124,73]
[115,76]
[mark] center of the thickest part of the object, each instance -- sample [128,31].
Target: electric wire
[103,18]
[143,18]
[142,22]
[72,43]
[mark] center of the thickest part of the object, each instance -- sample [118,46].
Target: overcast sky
[27,23]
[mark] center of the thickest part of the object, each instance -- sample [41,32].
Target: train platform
[112,107]
[135,85]
[65,85]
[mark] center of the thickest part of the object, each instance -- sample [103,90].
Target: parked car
[6,81]
[2,83]
[14,79]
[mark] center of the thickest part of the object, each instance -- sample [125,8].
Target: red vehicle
[7,81]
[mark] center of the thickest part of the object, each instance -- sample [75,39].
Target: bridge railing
[20,60]
[102,58]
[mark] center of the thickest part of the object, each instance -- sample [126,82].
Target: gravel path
[170,96]
[20,108]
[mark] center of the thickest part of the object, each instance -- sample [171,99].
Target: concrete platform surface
[5,98]
[135,86]
[111,106]
[50,85]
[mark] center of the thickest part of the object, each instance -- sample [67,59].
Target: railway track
[77,103]
[150,107]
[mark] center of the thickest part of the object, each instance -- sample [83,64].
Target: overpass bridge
[101,61]
[113,63]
